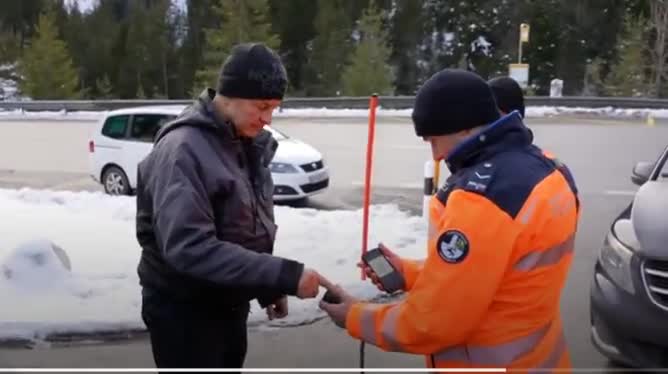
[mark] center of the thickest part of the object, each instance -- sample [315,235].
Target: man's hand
[309,284]
[279,309]
[338,312]
[394,259]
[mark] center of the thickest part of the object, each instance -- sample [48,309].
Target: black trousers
[194,335]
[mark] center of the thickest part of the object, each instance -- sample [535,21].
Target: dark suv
[629,293]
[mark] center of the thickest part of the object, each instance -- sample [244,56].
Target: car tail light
[91,146]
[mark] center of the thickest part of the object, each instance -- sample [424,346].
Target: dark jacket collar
[506,133]
[201,114]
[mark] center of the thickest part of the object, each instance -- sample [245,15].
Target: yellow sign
[524,32]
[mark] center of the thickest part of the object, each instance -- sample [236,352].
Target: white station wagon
[124,137]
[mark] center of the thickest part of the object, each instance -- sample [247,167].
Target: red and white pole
[373,103]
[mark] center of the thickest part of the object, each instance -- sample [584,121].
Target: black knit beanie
[253,71]
[453,100]
[508,93]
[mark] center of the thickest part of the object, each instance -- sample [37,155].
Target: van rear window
[146,126]
[116,127]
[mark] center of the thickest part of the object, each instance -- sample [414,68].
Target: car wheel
[115,181]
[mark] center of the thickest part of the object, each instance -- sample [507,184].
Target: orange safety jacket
[501,238]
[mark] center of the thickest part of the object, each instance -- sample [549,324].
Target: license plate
[318,177]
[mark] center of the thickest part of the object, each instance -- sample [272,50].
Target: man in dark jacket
[205,220]
[508,94]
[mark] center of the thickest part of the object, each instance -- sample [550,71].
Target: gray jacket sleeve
[185,230]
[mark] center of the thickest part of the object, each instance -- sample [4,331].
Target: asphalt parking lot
[601,154]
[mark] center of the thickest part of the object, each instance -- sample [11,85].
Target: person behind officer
[508,94]
[205,220]
[500,243]
[510,97]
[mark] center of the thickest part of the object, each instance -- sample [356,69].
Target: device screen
[380,266]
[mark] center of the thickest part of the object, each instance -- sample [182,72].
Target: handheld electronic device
[388,276]
[331,298]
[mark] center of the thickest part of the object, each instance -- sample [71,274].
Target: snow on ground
[101,292]
[546,111]
[51,115]
[531,112]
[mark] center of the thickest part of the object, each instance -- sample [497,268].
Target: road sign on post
[524,38]
[524,32]
[520,73]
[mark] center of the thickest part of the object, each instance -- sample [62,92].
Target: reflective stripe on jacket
[500,245]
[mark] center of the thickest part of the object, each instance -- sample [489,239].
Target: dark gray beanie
[453,100]
[253,71]
[508,93]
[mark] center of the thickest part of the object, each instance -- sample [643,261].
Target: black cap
[453,100]
[253,71]
[508,93]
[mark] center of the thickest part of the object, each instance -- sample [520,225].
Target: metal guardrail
[386,102]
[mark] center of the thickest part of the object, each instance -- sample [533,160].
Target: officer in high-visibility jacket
[500,243]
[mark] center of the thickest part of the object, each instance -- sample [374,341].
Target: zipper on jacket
[244,164]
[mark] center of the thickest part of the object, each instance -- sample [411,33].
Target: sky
[87,5]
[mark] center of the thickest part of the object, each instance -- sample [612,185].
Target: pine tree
[46,67]
[104,88]
[140,92]
[593,83]
[406,32]
[8,68]
[627,77]
[329,49]
[157,94]
[369,71]
[8,48]
[293,21]
[243,21]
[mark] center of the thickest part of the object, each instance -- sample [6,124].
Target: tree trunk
[165,76]
[659,22]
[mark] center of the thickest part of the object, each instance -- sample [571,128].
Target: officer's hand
[394,259]
[279,309]
[308,284]
[338,312]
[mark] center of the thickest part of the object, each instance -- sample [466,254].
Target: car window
[663,175]
[145,126]
[115,127]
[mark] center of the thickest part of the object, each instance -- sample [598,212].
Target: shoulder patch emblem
[452,246]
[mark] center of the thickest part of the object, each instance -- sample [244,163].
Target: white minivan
[123,137]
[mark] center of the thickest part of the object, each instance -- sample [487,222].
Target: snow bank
[547,111]
[531,112]
[101,292]
[18,114]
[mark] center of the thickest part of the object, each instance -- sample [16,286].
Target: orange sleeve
[411,270]
[465,264]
